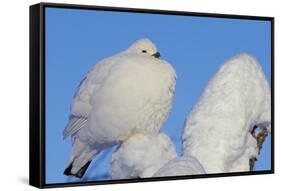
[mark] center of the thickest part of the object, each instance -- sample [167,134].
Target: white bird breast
[135,97]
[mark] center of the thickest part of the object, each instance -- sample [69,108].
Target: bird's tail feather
[81,157]
[80,173]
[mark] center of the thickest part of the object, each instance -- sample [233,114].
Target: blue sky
[195,46]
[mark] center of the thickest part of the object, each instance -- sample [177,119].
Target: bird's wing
[81,105]
[74,124]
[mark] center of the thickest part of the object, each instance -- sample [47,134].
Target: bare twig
[260,136]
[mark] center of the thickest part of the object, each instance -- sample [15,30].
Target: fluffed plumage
[122,95]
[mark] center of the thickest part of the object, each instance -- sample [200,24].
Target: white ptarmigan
[122,95]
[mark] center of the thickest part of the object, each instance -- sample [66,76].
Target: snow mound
[141,156]
[181,166]
[217,131]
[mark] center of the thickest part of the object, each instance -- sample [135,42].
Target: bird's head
[144,47]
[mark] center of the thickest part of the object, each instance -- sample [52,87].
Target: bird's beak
[156,55]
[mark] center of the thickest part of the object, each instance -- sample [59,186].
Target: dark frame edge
[272,96]
[158,179]
[35,128]
[155,11]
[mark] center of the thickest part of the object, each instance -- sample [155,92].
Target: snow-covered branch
[218,130]
[141,156]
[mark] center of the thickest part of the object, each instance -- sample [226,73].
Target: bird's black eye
[143,51]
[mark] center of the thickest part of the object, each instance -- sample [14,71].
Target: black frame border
[37,160]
